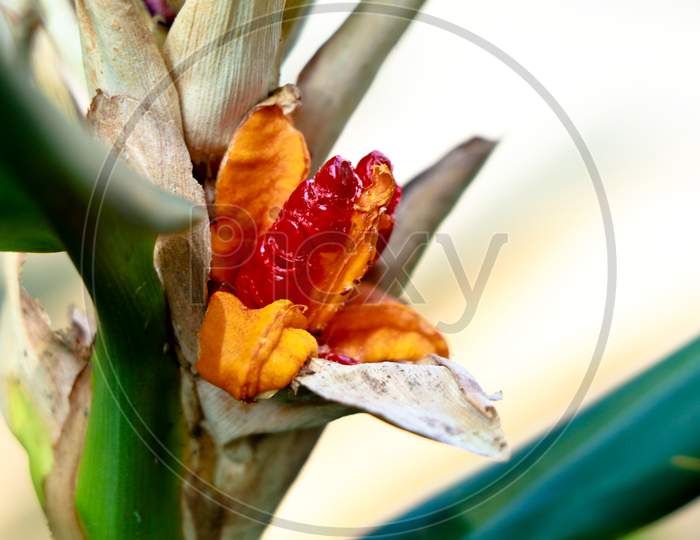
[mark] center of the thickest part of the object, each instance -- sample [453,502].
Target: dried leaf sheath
[45,397]
[121,56]
[224,59]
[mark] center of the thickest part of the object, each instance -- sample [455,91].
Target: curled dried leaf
[469,386]
[250,351]
[424,399]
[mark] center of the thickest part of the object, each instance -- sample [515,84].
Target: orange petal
[265,161]
[383,332]
[250,351]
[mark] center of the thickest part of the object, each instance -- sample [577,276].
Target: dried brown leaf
[424,399]
[32,354]
[50,370]
[121,55]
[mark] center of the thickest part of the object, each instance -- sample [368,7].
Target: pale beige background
[626,72]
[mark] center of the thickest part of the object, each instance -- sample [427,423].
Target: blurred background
[626,74]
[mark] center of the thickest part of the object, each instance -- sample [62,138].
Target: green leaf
[613,469]
[27,426]
[22,225]
[128,482]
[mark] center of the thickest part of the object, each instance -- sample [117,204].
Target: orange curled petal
[345,270]
[265,161]
[250,351]
[382,333]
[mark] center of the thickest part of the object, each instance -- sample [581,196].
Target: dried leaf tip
[426,201]
[337,77]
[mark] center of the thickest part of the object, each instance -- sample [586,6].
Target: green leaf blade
[22,225]
[67,173]
[609,472]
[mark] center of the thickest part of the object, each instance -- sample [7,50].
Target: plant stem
[128,485]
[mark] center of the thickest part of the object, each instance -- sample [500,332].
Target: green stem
[128,485]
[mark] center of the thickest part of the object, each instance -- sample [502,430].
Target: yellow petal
[250,351]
